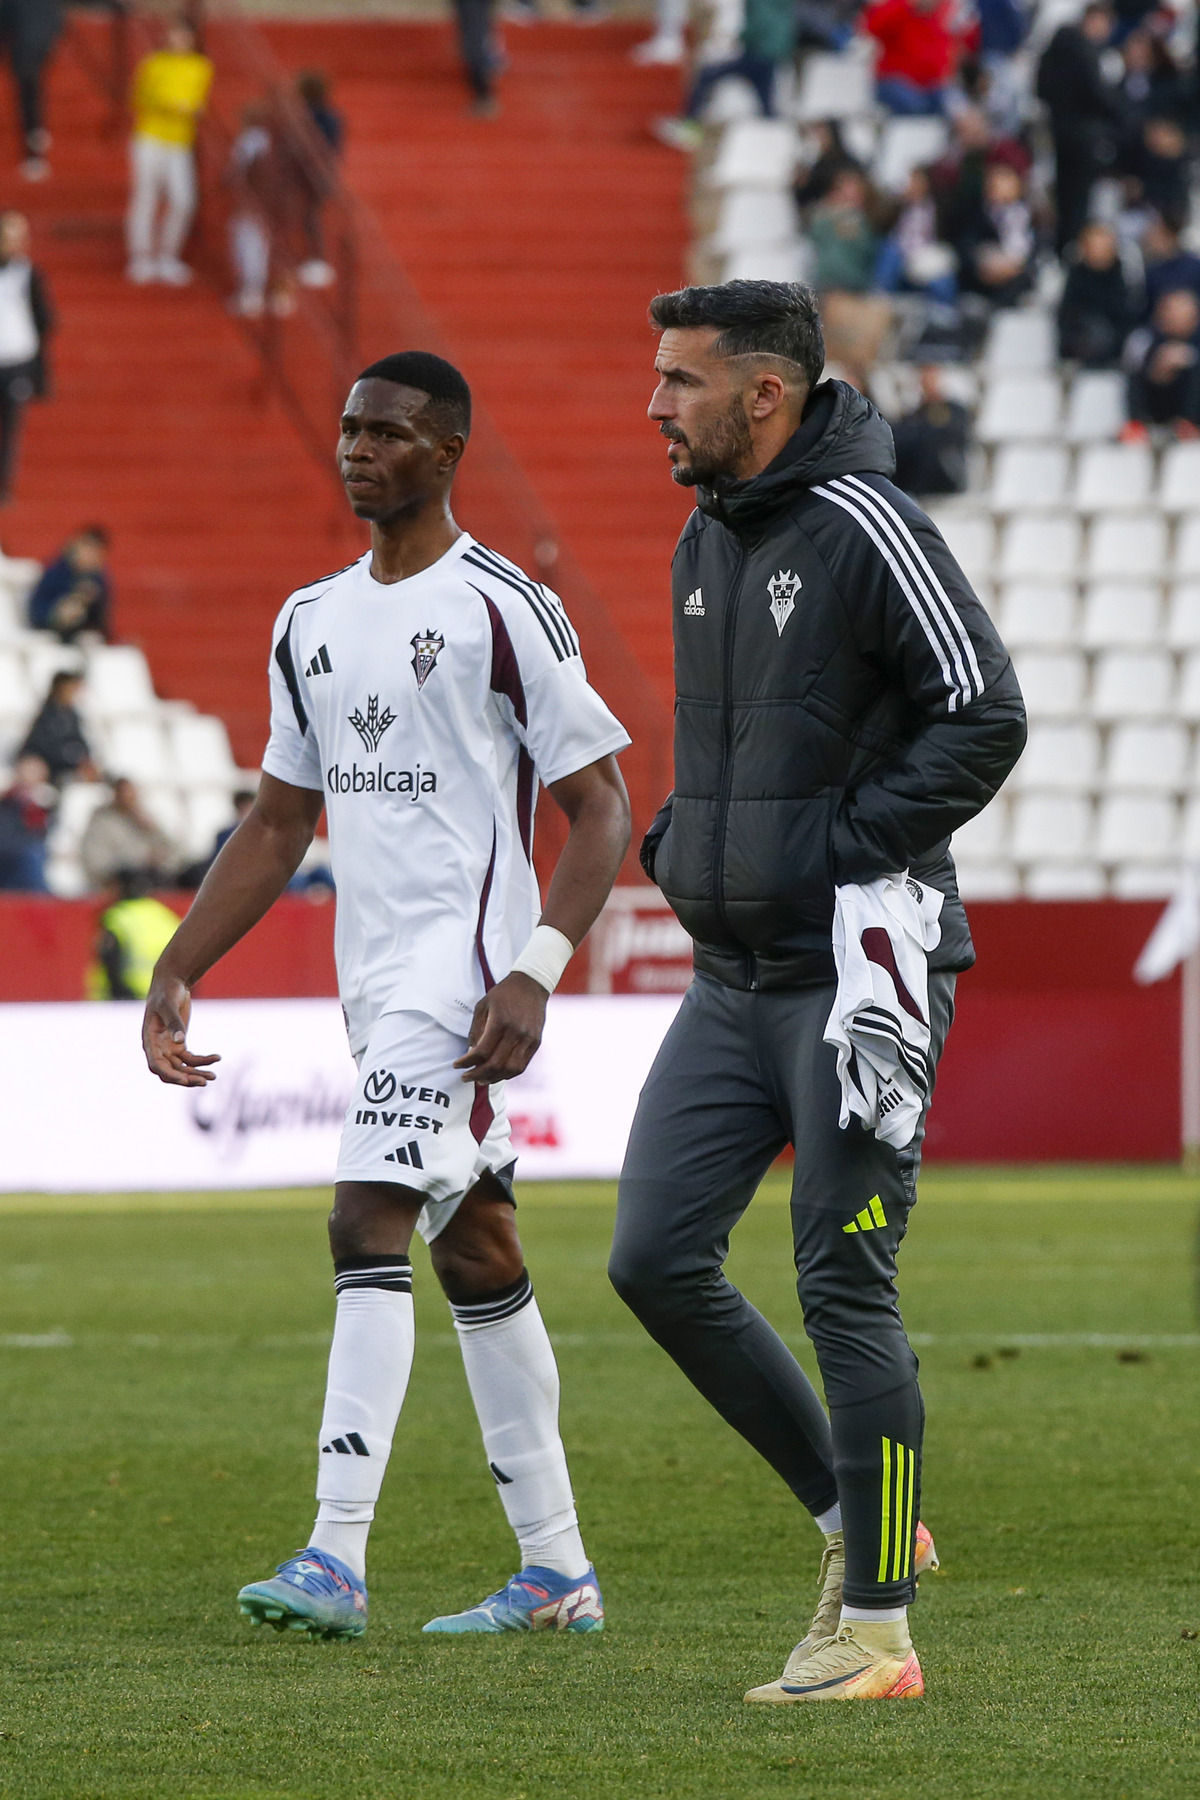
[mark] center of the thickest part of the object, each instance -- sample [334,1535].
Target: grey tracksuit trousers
[739,1076]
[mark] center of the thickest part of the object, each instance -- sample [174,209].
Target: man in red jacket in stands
[919,52]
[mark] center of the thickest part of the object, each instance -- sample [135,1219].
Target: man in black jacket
[1087,114]
[844,704]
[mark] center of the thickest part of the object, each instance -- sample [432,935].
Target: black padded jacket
[843,703]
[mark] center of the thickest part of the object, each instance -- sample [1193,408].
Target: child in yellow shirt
[170,89]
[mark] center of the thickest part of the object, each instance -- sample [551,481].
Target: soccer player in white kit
[419,696]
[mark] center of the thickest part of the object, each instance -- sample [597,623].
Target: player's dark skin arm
[244,882]
[508,1022]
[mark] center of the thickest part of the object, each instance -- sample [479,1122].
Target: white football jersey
[426,711]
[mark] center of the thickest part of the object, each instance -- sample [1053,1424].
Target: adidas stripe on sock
[513,1379]
[370,1361]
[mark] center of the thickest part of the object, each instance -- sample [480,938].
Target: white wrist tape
[545,957]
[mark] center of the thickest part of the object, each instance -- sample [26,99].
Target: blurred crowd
[1066,141]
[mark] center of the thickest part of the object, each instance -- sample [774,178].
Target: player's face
[700,409]
[391,457]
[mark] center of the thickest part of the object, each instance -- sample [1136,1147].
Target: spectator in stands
[829,157]
[26,321]
[1086,114]
[1151,86]
[312,89]
[1164,370]
[912,259]
[57,733]
[256,178]
[766,41]
[170,91]
[931,441]
[667,44]
[996,246]
[121,835]
[918,52]
[74,595]
[29,30]
[25,812]
[479,54]
[1098,308]
[843,238]
[134,931]
[1156,165]
[1167,264]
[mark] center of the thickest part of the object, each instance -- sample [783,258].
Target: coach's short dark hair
[449,395]
[764,318]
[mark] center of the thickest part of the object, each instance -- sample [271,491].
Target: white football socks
[513,1379]
[370,1361]
[831,1520]
[873,1615]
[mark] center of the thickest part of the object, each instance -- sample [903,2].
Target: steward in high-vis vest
[134,932]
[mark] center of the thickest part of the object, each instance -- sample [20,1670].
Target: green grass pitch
[162,1361]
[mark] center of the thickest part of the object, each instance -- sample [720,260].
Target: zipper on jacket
[723,792]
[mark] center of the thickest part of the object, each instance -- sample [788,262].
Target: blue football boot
[534,1600]
[311,1592]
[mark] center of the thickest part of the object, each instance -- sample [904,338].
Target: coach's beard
[716,454]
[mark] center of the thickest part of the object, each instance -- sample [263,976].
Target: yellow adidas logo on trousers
[871,1216]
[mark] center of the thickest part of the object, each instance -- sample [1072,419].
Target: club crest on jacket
[783,589]
[426,647]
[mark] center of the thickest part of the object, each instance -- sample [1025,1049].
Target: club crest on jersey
[783,589]
[371,728]
[427,646]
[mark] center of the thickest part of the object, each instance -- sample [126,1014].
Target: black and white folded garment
[883,932]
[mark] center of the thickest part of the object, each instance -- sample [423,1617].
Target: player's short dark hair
[449,395]
[764,318]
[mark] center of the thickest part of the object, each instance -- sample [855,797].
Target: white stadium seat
[1113,477]
[1179,479]
[1020,343]
[1019,406]
[834,86]
[1186,560]
[1095,407]
[970,538]
[768,262]
[1121,612]
[1190,835]
[1132,684]
[1059,756]
[1051,825]
[44,657]
[1150,757]
[999,880]
[78,802]
[118,681]
[984,837]
[730,100]
[1183,620]
[1188,702]
[1136,828]
[16,689]
[12,620]
[1135,545]
[209,810]
[164,803]
[137,748]
[752,216]
[905,145]
[756,153]
[200,751]
[1075,879]
[1052,682]
[1145,881]
[1041,549]
[1028,477]
[1037,613]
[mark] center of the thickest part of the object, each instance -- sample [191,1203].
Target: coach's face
[713,410]
[392,456]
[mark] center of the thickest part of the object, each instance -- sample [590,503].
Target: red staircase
[534,240]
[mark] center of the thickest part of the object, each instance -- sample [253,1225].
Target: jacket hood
[841,433]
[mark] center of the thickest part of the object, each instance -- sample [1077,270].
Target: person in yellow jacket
[134,932]
[170,90]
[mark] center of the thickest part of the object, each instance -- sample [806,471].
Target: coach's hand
[506,1030]
[164,1035]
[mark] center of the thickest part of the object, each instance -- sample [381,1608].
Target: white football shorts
[415,1121]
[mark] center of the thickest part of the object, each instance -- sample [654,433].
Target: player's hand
[164,1035]
[506,1031]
